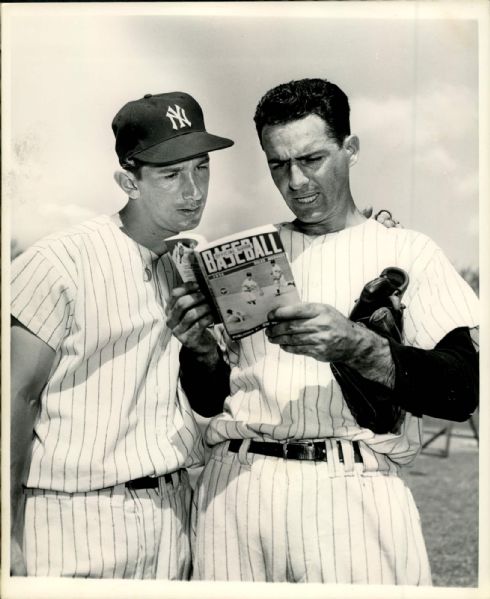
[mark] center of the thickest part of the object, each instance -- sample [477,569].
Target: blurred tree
[472,276]
[15,248]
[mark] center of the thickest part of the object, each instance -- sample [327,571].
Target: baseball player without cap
[163,129]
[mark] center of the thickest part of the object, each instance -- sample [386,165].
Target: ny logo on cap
[177,114]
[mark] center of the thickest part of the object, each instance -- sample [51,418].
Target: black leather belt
[147,482]
[296,450]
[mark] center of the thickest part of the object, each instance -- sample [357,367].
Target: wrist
[366,344]
[202,345]
[372,357]
[205,354]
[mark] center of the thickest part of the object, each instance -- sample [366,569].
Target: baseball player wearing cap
[295,489]
[278,279]
[102,433]
[250,289]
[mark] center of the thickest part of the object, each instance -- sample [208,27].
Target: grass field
[446,492]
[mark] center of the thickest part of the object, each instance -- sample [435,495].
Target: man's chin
[314,226]
[309,219]
[191,222]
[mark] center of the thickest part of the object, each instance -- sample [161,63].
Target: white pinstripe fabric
[276,395]
[264,518]
[113,409]
[111,533]
[268,519]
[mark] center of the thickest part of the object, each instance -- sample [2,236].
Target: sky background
[412,81]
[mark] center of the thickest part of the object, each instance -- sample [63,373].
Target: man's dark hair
[297,99]
[134,166]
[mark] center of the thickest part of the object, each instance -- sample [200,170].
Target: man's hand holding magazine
[189,317]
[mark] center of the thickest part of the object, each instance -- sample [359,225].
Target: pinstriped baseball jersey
[278,395]
[113,409]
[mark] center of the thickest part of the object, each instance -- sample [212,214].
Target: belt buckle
[310,450]
[285,450]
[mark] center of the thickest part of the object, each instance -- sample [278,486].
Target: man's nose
[192,190]
[297,178]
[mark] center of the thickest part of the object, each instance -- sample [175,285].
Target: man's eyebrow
[277,161]
[310,154]
[168,168]
[171,168]
[302,157]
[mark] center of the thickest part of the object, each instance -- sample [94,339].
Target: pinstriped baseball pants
[112,533]
[259,518]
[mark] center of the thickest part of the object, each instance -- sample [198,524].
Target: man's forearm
[373,359]
[442,382]
[23,416]
[205,378]
[31,362]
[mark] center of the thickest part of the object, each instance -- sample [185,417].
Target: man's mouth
[195,209]
[306,198]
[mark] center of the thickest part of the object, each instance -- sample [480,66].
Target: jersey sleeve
[40,297]
[440,301]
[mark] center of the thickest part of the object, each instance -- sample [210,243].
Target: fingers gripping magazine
[244,276]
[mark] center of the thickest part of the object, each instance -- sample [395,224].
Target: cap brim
[183,147]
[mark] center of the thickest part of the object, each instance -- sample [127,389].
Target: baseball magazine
[244,275]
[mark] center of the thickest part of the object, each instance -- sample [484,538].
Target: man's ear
[128,183]
[351,145]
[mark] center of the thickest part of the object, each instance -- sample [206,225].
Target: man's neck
[332,225]
[142,232]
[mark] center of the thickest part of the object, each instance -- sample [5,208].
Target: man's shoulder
[72,235]
[372,232]
[398,235]
[85,228]
[63,247]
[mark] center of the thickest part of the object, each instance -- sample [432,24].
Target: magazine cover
[246,275]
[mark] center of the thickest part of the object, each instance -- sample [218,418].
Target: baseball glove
[379,308]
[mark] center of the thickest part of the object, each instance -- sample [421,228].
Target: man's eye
[312,159]
[204,167]
[170,175]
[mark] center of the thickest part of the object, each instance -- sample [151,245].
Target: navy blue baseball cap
[163,129]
